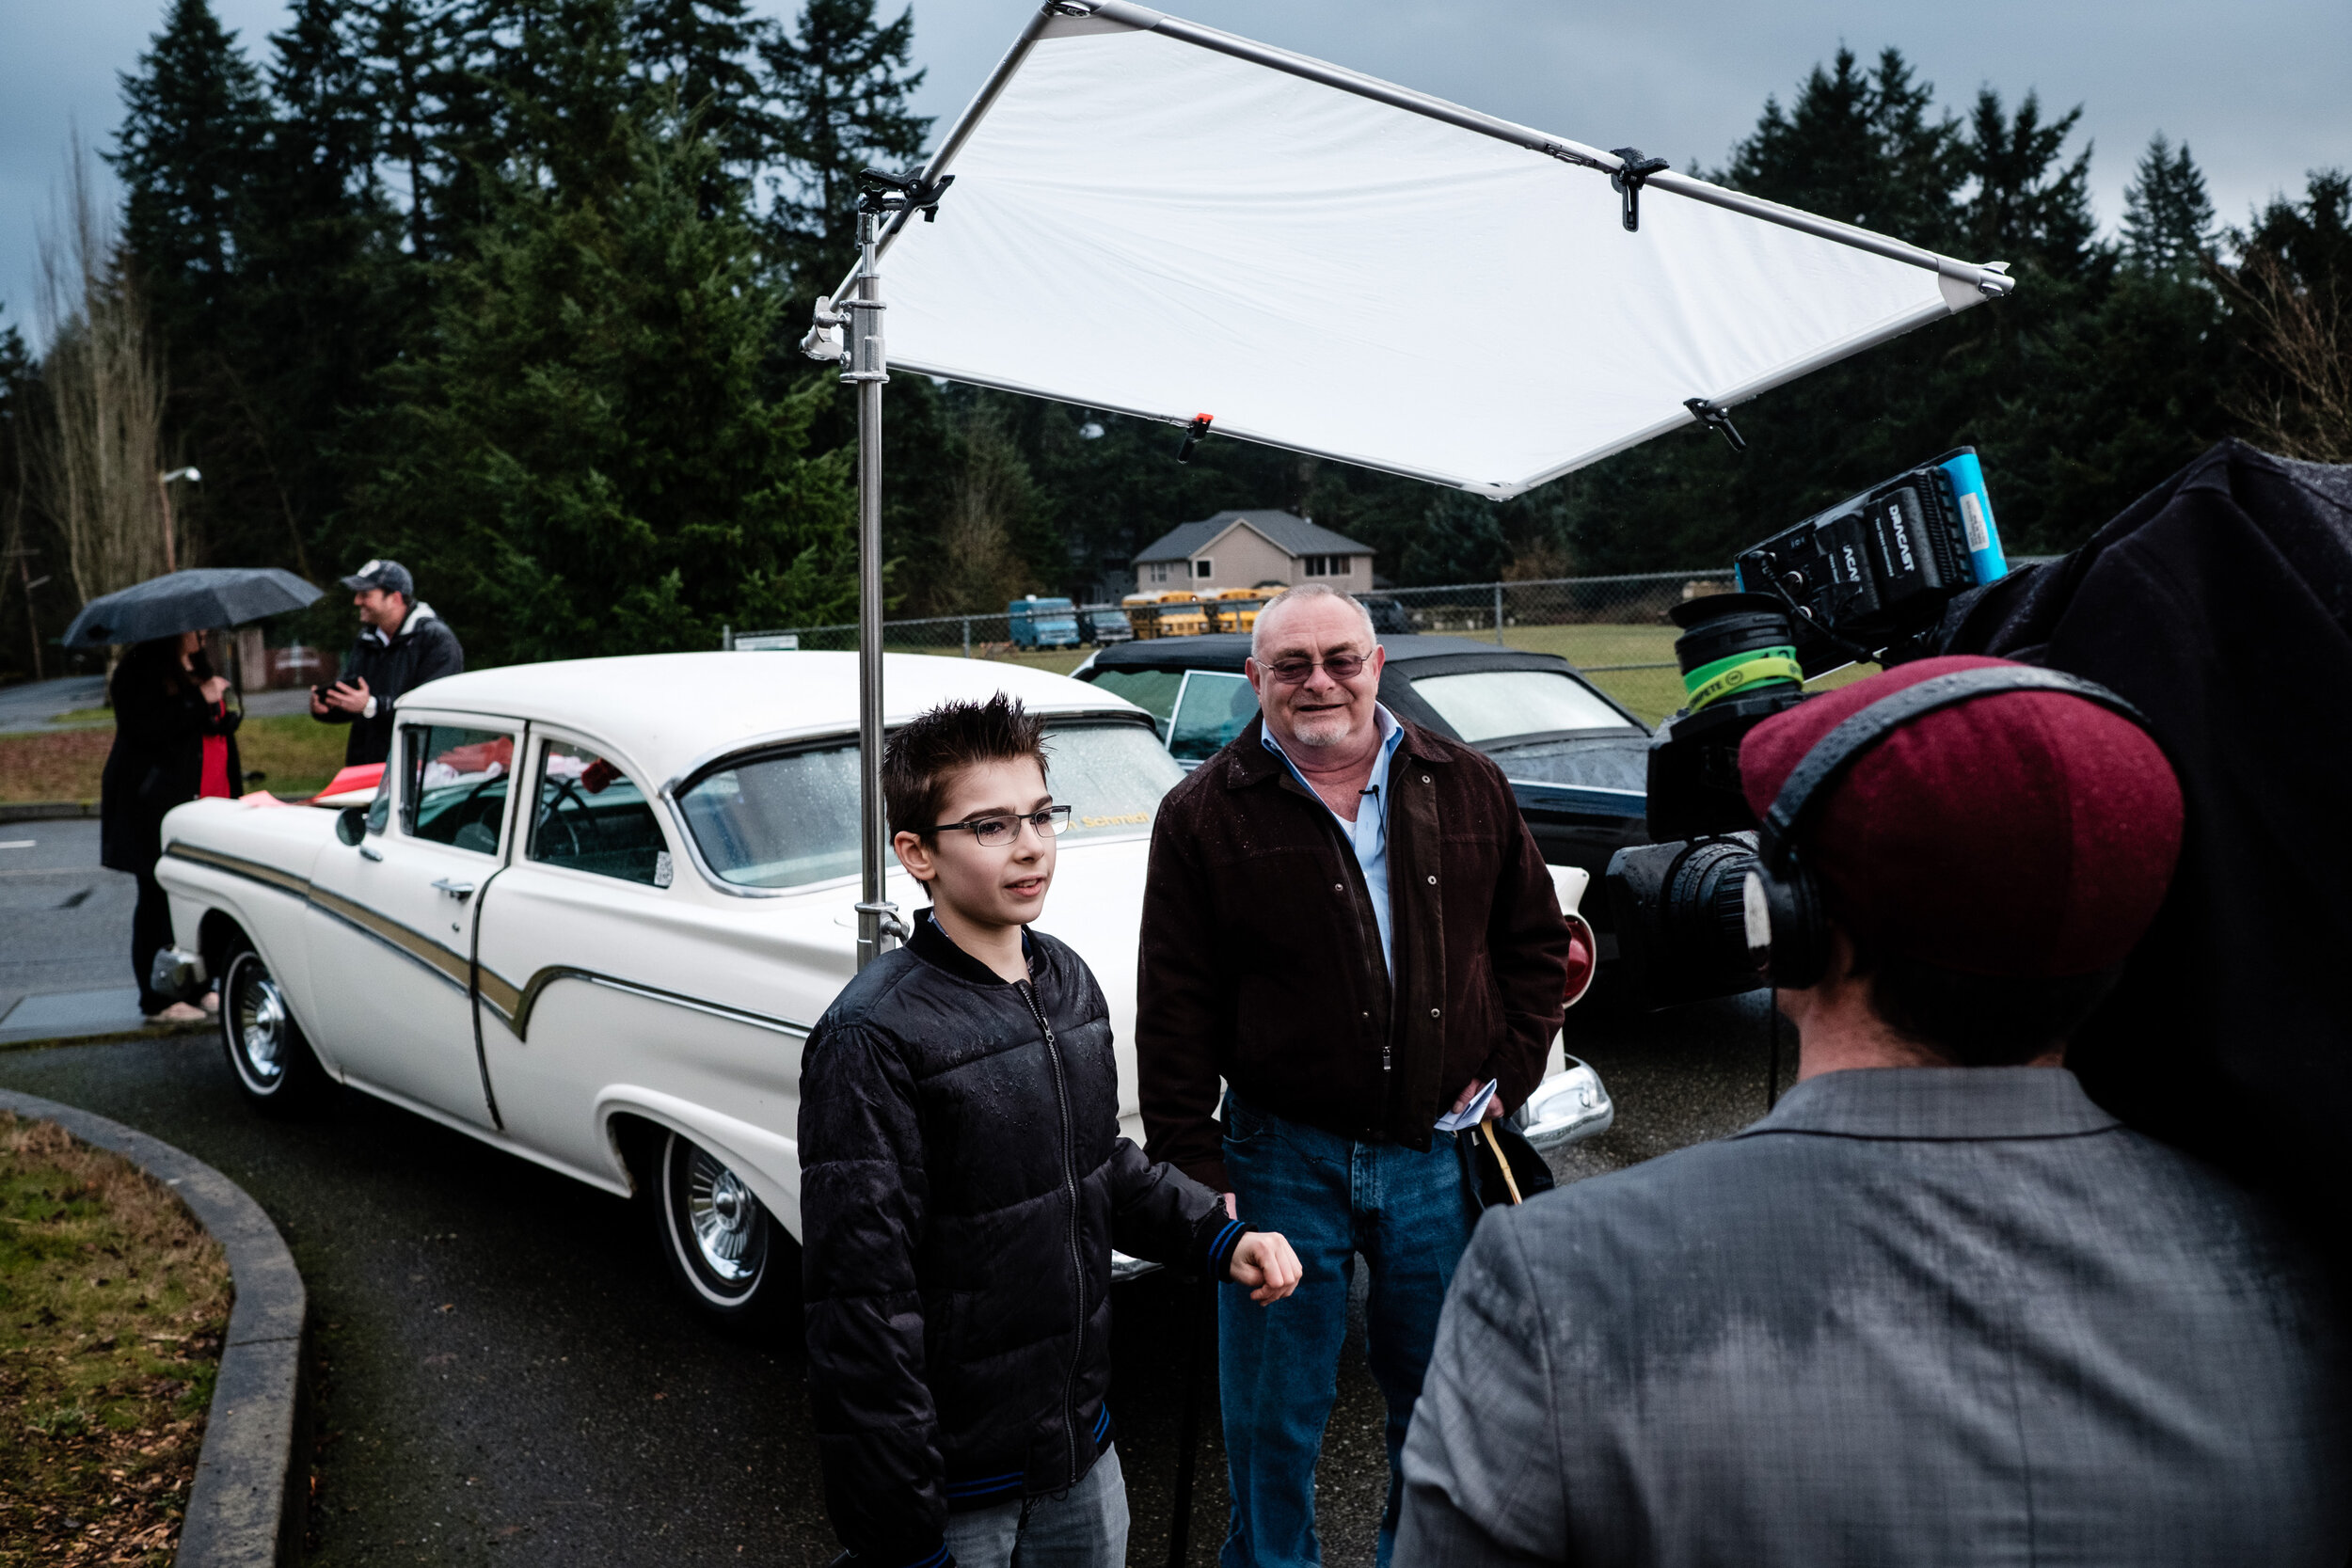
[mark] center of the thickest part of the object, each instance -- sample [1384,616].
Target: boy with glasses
[963,1185]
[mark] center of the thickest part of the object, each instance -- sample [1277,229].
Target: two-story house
[1250,550]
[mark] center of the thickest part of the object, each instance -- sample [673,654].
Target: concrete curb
[245,1508]
[46,811]
[114,1037]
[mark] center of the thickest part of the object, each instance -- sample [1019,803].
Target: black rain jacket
[425,650]
[158,757]
[2219,603]
[962,1183]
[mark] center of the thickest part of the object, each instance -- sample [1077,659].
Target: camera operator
[1937,1307]
[401,644]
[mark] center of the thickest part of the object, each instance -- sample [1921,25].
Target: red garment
[214,778]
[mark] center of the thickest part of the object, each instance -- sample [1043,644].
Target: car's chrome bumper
[1566,1108]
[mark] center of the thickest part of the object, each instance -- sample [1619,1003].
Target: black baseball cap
[390,575]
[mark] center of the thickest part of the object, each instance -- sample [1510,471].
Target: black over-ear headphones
[1784,908]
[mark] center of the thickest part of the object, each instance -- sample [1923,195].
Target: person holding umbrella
[175,735]
[175,741]
[401,644]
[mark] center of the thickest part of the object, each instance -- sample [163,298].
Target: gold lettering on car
[1135,818]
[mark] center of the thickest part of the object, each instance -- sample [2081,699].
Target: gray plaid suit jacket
[1913,1316]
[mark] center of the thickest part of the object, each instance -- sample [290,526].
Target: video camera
[1865,580]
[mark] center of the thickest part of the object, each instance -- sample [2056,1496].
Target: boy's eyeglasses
[1339,667]
[1052,822]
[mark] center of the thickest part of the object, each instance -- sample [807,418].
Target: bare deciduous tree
[982,568]
[2303,333]
[97,437]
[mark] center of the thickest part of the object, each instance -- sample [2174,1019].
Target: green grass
[297,753]
[113,1302]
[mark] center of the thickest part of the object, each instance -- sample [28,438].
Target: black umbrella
[198,600]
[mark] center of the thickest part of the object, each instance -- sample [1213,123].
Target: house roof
[1287,532]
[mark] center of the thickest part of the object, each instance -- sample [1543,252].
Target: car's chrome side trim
[515,1004]
[453,967]
[237,865]
[450,966]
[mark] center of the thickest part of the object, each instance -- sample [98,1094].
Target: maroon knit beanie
[2027,833]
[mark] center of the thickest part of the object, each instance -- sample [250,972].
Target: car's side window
[453,784]
[592,817]
[1214,708]
[1152,690]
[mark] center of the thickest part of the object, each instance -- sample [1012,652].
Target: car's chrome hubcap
[262,1027]
[725,1218]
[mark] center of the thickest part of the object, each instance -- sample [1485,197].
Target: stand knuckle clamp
[1715,416]
[1634,168]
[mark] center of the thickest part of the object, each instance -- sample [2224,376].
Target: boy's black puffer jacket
[962,1183]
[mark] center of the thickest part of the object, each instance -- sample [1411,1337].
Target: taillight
[1581,959]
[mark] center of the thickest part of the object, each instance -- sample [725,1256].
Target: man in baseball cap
[1937,1307]
[401,644]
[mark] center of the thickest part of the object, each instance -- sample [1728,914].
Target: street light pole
[162,486]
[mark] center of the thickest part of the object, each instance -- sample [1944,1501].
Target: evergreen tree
[1865,148]
[322,304]
[2027,209]
[2168,217]
[706,53]
[587,456]
[193,124]
[840,83]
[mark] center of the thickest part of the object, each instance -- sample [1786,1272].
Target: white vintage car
[610,968]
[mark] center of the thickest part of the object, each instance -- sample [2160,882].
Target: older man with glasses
[1349,924]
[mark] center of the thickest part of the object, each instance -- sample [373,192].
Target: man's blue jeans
[1278,1367]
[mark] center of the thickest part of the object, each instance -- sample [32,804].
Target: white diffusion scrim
[1143,224]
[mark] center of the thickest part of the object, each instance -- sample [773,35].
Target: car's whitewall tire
[268,1055]
[724,1248]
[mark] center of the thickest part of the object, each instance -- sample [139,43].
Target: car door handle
[369,852]
[459,891]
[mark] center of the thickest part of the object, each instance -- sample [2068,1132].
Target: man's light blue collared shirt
[1368,836]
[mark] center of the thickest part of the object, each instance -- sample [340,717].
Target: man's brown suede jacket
[1261,957]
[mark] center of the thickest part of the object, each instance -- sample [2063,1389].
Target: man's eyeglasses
[1052,822]
[1339,667]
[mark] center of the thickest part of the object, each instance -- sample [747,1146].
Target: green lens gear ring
[1725,676]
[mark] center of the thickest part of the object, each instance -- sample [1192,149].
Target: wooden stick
[1488,1127]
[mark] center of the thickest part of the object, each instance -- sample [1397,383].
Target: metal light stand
[880,927]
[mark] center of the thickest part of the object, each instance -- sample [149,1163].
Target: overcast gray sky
[2257,88]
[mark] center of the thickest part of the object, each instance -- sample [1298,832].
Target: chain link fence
[1614,629]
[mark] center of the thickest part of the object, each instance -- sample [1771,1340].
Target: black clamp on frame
[1634,168]
[1193,432]
[1715,416]
[880,191]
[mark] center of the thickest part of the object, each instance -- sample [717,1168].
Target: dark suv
[1577,761]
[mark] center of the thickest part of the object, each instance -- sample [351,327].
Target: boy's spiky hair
[920,760]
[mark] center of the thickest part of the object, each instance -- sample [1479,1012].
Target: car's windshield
[788,819]
[1488,705]
[1595,761]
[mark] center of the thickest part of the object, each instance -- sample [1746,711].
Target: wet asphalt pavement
[503,1373]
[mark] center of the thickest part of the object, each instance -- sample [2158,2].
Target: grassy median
[113,1301]
[297,753]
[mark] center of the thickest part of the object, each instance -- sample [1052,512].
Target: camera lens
[1707,908]
[1733,644]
